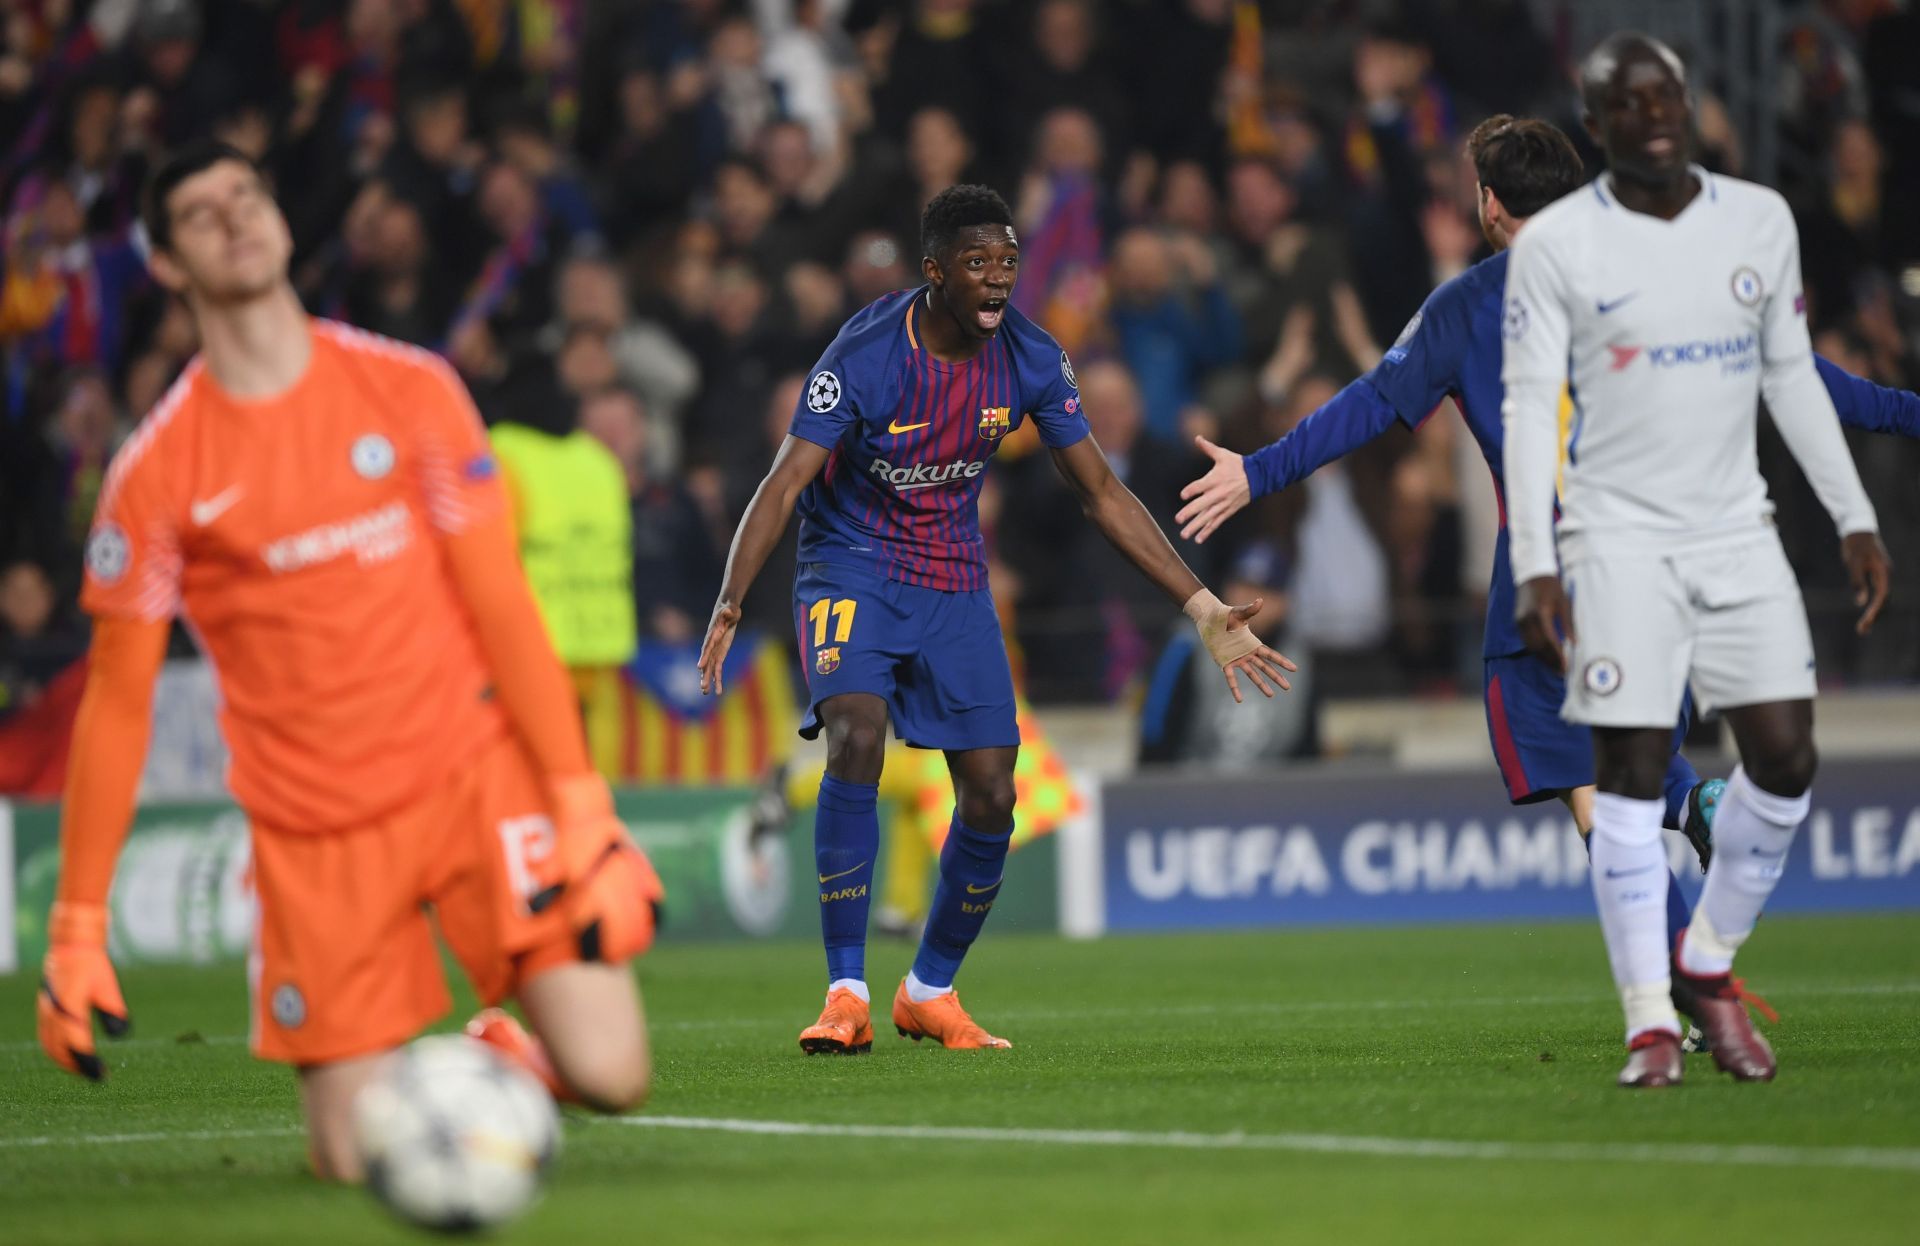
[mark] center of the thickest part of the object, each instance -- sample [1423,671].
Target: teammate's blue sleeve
[1048,383]
[827,405]
[1339,426]
[1423,364]
[1862,404]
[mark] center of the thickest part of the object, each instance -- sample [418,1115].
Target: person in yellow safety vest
[575,534]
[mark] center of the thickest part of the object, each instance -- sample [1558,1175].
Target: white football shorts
[1650,617]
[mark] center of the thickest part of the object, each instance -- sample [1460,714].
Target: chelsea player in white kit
[1672,297]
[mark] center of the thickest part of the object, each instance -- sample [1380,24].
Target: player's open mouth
[991,312]
[1661,148]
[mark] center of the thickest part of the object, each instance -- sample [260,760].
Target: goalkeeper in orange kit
[321,506]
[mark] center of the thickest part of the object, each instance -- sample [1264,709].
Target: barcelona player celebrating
[884,460]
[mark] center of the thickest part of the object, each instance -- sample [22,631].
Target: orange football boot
[940,1018]
[498,1029]
[844,1027]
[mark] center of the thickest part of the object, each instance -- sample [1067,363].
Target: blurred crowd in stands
[645,218]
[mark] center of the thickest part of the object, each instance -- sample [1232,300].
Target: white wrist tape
[1211,616]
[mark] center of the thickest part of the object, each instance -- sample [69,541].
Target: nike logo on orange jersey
[896,426]
[827,878]
[205,512]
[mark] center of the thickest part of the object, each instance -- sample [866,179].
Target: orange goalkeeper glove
[604,884]
[76,985]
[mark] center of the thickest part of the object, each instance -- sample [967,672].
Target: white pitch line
[1883,1159]
[1266,1007]
[179,1135]
[1888,1159]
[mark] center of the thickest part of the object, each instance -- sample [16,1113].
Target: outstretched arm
[1405,384]
[794,467]
[1862,404]
[1124,521]
[110,736]
[1344,423]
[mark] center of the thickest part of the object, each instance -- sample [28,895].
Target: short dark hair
[195,158]
[957,208]
[1527,162]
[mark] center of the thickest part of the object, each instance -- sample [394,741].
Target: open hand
[1232,644]
[1870,571]
[1216,496]
[713,650]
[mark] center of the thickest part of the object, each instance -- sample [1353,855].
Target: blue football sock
[971,867]
[846,838]
[1681,779]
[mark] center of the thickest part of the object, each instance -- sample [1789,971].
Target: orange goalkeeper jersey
[299,536]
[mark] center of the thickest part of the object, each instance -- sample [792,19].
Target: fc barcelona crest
[827,660]
[995,421]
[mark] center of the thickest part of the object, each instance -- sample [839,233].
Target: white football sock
[1751,833]
[855,985]
[919,992]
[1630,888]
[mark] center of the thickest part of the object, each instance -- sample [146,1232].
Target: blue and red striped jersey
[910,437]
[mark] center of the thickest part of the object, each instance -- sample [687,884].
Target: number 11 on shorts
[842,615]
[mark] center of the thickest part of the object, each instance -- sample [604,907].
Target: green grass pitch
[1271,1087]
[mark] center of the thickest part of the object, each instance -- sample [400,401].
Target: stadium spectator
[526,142]
[675,563]
[1061,213]
[1172,322]
[574,529]
[1079,583]
[648,173]
[936,60]
[41,675]
[877,264]
[1187,719]
[647,356]
[684,199]
[1341,601]
[38,637]
[1405,115]
[939,153]
[1843,237]
[66,288]
[1063,67]
[1176,54]
[394,289]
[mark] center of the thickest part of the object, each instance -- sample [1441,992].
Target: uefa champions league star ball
[453,1136]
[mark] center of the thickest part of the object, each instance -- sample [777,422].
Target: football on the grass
[453,1136]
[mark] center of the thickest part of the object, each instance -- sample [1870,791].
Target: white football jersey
[1666,335]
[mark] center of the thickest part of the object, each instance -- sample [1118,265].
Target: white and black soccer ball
[453,1136]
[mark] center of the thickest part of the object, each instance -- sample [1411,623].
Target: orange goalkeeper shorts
[344,961]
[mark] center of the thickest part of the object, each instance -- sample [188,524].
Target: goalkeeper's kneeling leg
[589,1018]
